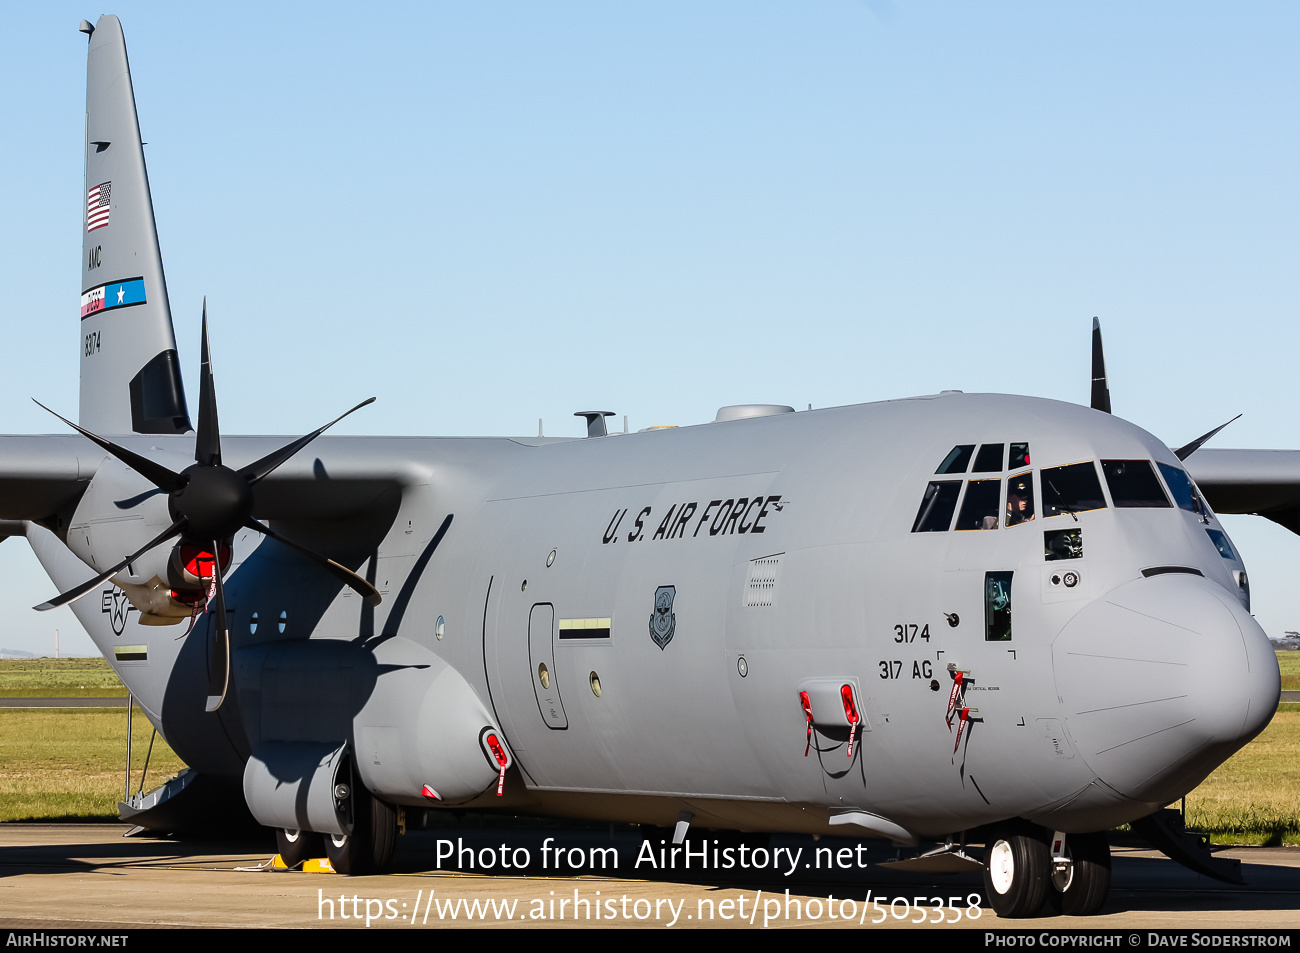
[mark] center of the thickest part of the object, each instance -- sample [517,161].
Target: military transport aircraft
[952,619]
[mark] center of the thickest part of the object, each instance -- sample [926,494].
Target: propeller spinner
[209,502]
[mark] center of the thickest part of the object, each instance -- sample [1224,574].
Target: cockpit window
[997,606]
[958,459]
[1063,544]
[1133,483]
[989,459]
[1019,456]
[1071,489]
[1183,489]
[980,508]
[935,514]
[1221,544]
[1020,498]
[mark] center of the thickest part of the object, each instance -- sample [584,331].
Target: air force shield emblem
[663,621]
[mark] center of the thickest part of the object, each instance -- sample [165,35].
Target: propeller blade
[348,577]
[218,640]
[207,444]
[72,595]
[155,473]
[254,472]
[1182,453]
[1100,387]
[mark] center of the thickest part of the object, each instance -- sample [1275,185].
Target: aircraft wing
[39,476]
[1262,482]
[338,478]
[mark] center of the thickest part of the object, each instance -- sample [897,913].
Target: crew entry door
[541,660]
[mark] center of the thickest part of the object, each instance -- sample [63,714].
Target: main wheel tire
[369,848]
[1082,889]
[297,846]
[1017,866]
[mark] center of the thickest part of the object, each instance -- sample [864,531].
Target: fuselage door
[541,661]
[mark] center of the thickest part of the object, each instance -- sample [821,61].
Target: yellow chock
[318,865]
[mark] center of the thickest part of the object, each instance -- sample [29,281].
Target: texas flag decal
[119,294]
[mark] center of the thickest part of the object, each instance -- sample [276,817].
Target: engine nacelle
[420,734]
[426,737]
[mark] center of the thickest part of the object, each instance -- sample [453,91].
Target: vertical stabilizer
[130,376]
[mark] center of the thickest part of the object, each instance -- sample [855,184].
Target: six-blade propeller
[209,502]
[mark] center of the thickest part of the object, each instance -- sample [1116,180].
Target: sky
[485,214]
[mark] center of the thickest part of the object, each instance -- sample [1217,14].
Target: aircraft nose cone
[1161,680]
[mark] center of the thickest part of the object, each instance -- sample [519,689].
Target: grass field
[63,764]
[1289,663]
[70,763]
[59,678]
[1254,796]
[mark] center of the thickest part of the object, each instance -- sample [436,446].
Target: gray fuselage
[682,587]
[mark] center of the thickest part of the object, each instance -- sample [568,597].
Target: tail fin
[130,376]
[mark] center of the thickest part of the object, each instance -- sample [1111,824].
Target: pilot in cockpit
[1020,500]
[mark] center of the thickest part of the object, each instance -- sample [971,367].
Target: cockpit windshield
[1071,489]
[1184,490]
[1133,483]
[979,510]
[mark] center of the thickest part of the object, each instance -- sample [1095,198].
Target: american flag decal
[97,206]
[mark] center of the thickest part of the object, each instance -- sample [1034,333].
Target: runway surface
[83,876]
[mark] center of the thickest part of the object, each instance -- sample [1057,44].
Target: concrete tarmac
[87,876]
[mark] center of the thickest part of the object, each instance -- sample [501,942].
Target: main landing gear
[1021,872]
[297,846]
[367,850]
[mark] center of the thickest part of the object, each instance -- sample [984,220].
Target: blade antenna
[1100,386]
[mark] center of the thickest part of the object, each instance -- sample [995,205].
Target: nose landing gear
[1016,870]
[1080,883]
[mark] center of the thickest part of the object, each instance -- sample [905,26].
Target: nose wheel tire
[297,846]
[1081,889]
[369,848]
[1017,867]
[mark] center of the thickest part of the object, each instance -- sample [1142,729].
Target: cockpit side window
[958,459]
[935,514]
[1020,498]
[1221,544]
[1019,456]
[1184,490]
[1133,483]
[989,459]
[1071,489]
[979,510]
[997,606]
